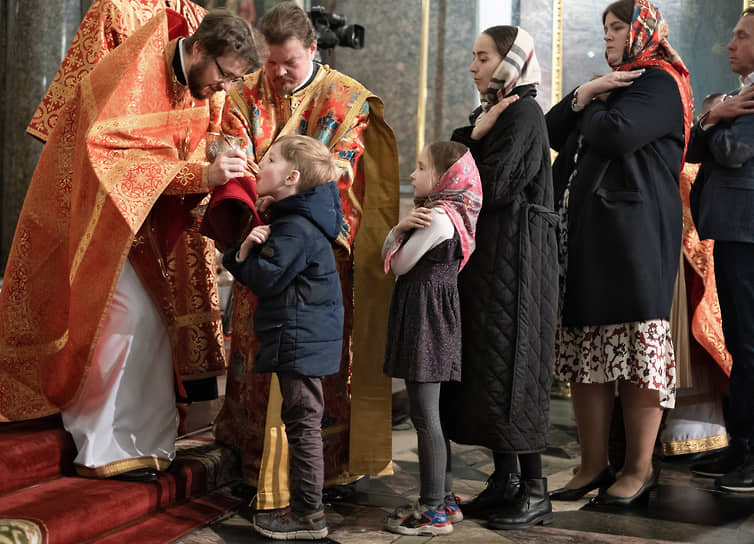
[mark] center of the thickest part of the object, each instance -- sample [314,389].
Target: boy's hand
[263,204]
[258,235]
[418,218]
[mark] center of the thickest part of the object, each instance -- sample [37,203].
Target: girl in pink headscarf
[426,250]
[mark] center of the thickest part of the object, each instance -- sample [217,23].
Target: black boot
[530,507]
[500,490]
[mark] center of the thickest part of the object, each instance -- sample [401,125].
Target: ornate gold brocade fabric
[110,157]
[105,26]
[184,283]
[706,321]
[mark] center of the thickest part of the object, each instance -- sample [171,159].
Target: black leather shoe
[606,478]
[530,507]
[741,480]
[605,499]
[500,490]
[138,475]
[725,462]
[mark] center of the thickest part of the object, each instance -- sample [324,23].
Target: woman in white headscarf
[508,289]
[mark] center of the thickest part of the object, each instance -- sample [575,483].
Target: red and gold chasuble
[105,26]
[128,135]
[356,426]
[706,320]
[182,281]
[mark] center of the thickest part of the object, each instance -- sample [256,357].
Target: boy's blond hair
[311,158]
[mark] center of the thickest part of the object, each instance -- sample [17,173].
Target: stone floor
[682,509]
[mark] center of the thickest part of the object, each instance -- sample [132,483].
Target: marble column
[36,35]
[583,44]
[535,16]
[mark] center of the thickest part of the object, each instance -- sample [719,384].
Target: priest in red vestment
[187,294]
[81,331]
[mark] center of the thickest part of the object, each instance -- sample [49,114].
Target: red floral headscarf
[647,47]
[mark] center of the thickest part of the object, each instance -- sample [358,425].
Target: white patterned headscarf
[518,67]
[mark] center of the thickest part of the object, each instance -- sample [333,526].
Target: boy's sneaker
[418,520]
[453,508]
[282,524]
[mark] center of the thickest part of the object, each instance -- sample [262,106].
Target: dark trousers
[734,275]
[303,406]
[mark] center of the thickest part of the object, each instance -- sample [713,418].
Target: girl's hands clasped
[418,218]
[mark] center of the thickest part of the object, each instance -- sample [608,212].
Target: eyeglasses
[224,76]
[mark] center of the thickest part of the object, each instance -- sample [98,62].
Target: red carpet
[33,452]
[175,522]
[37,484]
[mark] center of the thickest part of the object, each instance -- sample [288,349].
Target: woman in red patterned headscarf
[621,140]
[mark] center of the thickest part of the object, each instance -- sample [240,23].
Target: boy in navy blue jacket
[290,266]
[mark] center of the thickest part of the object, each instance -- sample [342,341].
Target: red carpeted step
[34,451]
[72,509]
[174,522]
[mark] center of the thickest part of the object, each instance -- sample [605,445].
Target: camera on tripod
[332,30]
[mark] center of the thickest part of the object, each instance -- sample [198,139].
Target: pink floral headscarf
[459,193]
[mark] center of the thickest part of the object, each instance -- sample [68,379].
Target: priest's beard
[196,85]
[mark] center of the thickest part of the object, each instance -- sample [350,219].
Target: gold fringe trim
[695,445]
[124,465]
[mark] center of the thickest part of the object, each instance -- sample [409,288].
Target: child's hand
[418,218]
[263,203]
[258,235]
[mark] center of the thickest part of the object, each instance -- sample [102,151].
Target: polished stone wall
[535,16]
[389,65]
[28,65]
[699,31]
[3,50]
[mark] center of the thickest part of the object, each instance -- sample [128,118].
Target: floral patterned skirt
[639,352]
